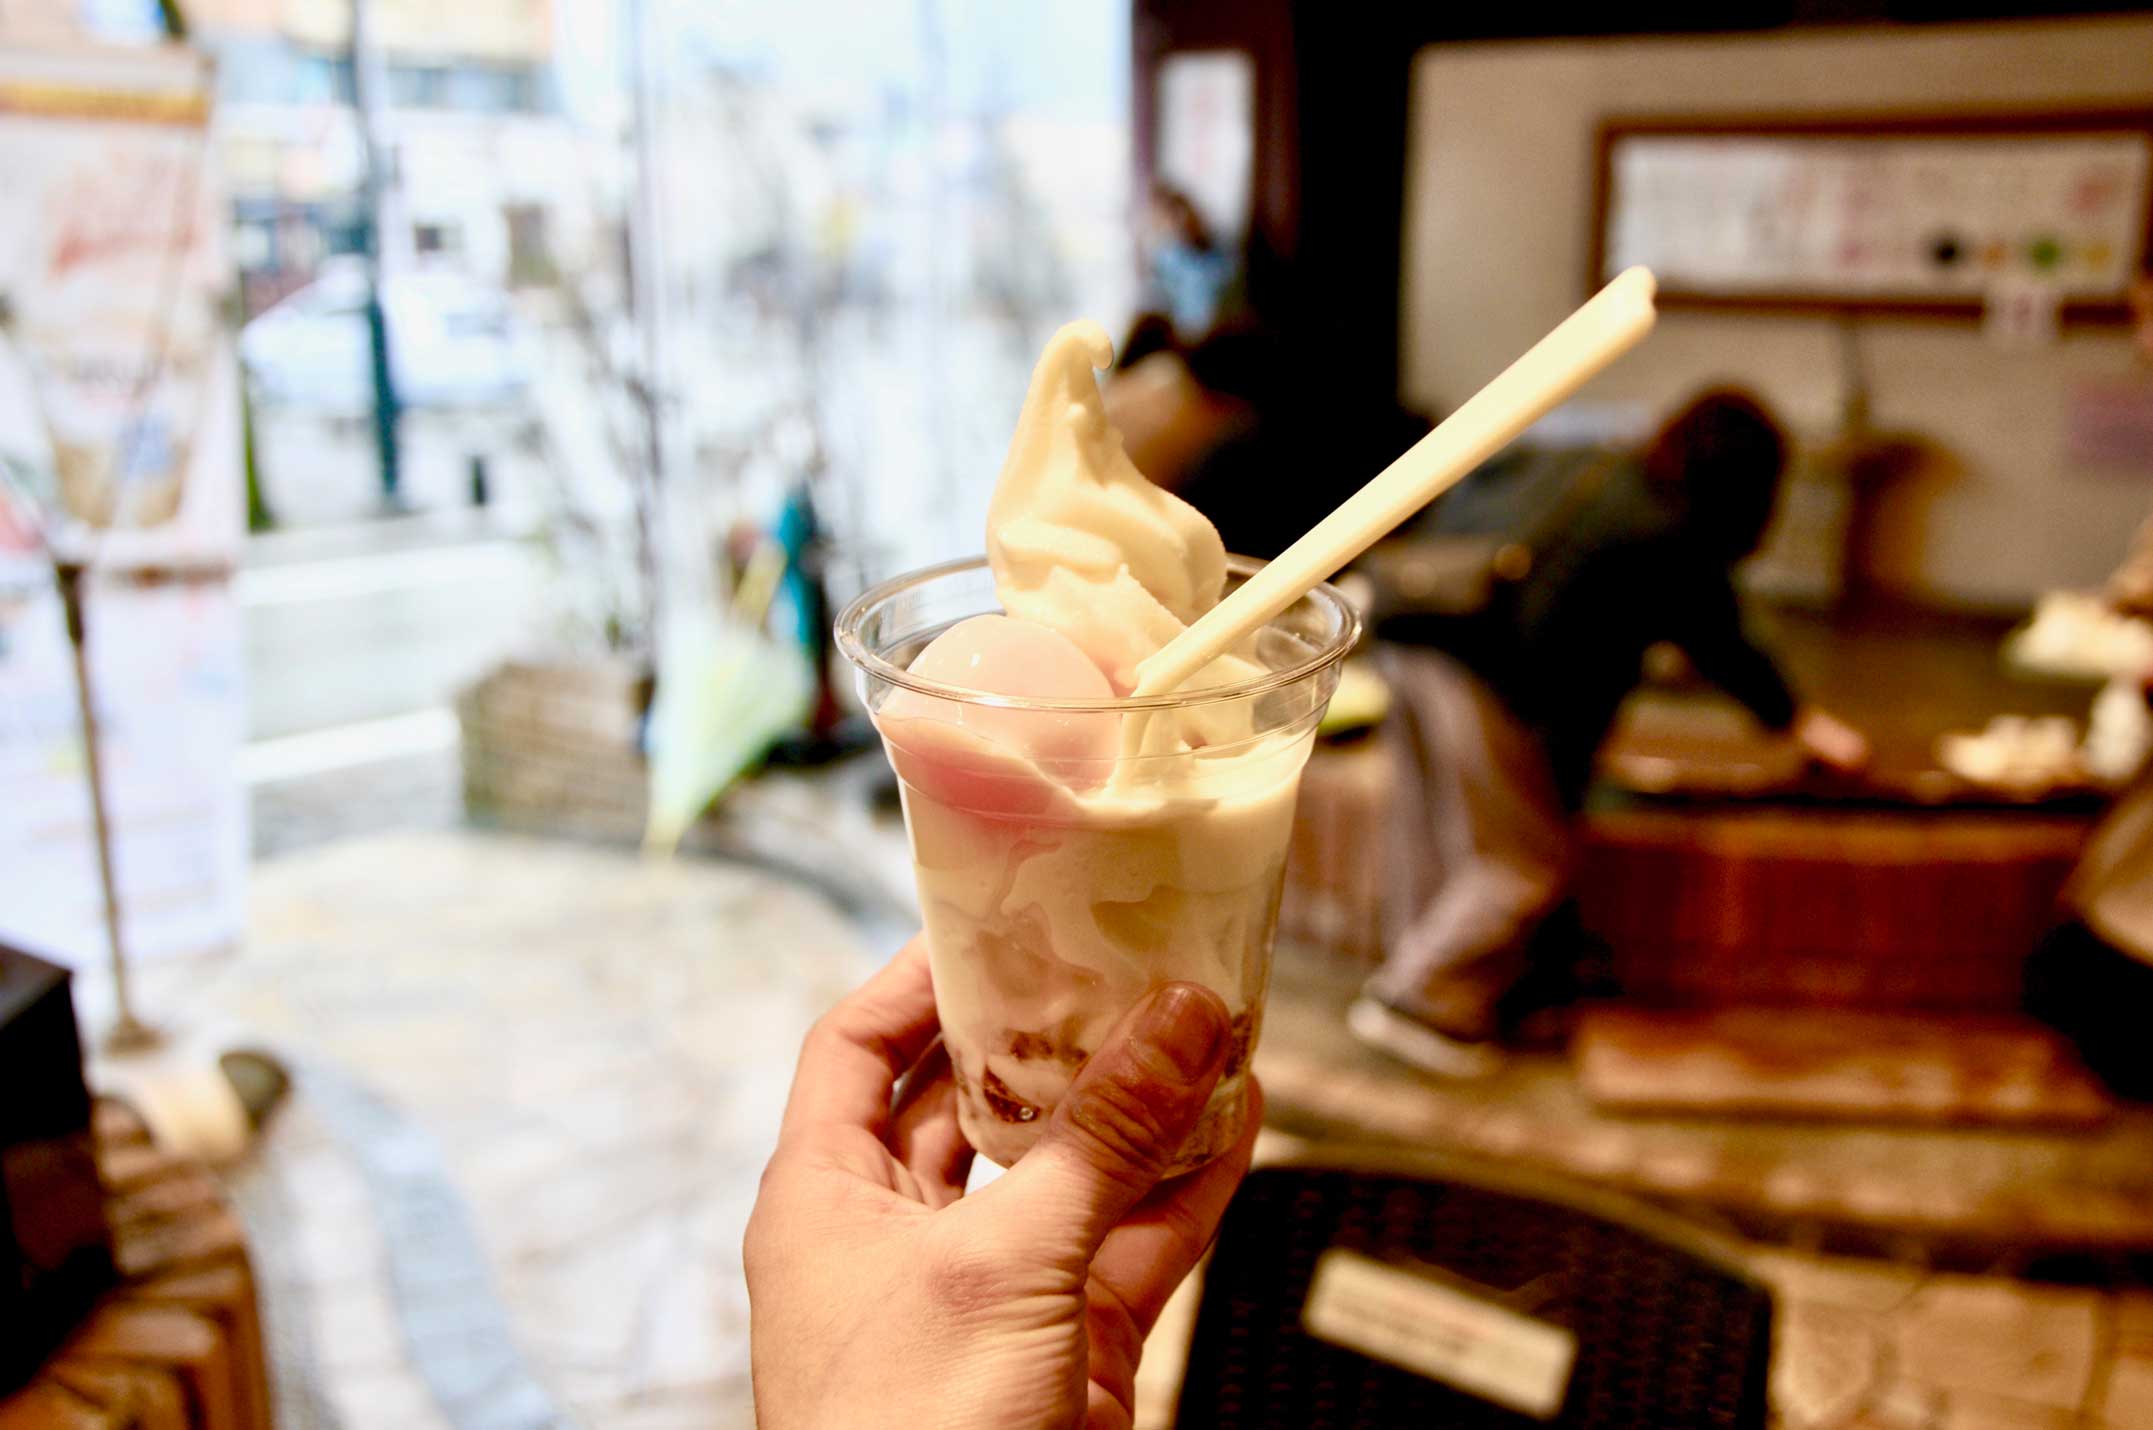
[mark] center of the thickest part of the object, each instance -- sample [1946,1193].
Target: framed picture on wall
[1925,214]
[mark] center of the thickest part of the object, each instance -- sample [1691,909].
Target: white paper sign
[168,669]
[1207,133]
[1421,1325]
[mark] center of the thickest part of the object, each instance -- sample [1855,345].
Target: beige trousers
[1480,849]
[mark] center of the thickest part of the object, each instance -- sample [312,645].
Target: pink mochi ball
[989,758]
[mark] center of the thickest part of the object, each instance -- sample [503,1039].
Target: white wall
[1498,213]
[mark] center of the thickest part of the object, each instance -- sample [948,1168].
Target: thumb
[1122,1120]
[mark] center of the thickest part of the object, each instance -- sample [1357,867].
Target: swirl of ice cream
[1077,539]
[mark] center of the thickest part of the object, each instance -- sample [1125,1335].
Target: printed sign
[1874,217]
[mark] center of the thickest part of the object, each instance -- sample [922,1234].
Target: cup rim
[869,662]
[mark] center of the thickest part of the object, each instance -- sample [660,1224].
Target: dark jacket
[1620,571]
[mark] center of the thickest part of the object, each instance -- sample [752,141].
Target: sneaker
[1413,1042]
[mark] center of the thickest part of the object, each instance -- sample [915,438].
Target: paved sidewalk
[409,792]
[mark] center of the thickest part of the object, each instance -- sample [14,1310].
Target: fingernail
[1187,1026]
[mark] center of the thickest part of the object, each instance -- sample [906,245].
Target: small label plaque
[1421,1325]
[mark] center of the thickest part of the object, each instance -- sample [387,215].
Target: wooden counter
[1761,884]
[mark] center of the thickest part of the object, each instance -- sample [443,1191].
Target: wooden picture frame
[2015,142]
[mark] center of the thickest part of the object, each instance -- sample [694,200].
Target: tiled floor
[587,1052]
[1981,1192]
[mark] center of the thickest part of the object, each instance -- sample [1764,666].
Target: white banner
[119,426]
[117,410]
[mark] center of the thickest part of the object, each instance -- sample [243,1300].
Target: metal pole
[941,435]
[646,264]
[128,1031]
[368,83]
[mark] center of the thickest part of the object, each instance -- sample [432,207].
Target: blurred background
[437,441]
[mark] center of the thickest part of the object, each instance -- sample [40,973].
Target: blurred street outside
[361,627]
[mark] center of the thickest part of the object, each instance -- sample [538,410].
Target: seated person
[1499,731]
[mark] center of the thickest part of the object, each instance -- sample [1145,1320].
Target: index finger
[856,1052]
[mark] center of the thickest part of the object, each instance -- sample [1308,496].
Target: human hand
[881,1295]
[1830,741]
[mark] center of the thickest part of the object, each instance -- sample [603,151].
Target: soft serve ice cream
[1079,541]
[1063,870]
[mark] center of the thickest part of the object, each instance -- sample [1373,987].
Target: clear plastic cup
[1146,844]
